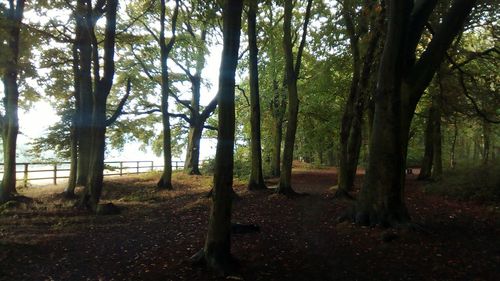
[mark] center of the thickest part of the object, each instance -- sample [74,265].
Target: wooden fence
[40,171]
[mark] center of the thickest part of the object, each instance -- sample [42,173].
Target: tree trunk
[352,119]
[9,123]
[165,181]
[217,249]
[93,188]
[437,169]
[256,180]
[486,141]
[69,191]
[191,166]
[426,166]
[278,108]
[292,71]
[453,161]
[85,91]
[401,82]
[102,87]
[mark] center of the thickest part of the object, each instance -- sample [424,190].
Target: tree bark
[191,164]
[10,121]
[426,166]
[401,82]
[437,161]
[217,249]
[165,181]
[256,181]
[352,119]
[292,71]
[278,108]
[453,161]
[69,191]
[83,21]
[102,86]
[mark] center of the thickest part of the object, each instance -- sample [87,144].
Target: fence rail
[40,171]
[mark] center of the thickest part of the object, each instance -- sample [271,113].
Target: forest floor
[299,238]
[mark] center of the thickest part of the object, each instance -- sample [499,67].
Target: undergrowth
[480,184]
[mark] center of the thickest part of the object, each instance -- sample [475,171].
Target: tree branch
[303,39]
[120,106]
[423,71]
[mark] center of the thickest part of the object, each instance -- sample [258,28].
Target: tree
[292,71]
[9,121]
[198,20]
[402,79]
[256,180]
[217,250]
[363,45]
[165,181]
[99,95]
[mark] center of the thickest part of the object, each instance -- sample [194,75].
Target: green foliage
[480,183]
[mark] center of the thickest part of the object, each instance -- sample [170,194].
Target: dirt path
[299,238]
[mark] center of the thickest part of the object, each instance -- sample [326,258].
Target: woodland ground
[300,238]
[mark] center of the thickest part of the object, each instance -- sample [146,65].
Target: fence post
[55,174]
[176,167]
[121,168]
[25,177]
[137,167]
[152,166]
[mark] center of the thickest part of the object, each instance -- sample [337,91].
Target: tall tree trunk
[10,121]
[191,165]
[453,161]
[352,119]
[437,169]
[165,181]
[292,71]
[102,87]
[217,250]
[426,166]
[256,180]
[93,189]
[85,91]
[402,80]
[486,141]
[69,192]
[278,107]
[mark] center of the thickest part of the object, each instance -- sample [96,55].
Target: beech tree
[402,79]
[363,26]
[256,180]
[9,120]
[292,71]
[216,253]
[95,89]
